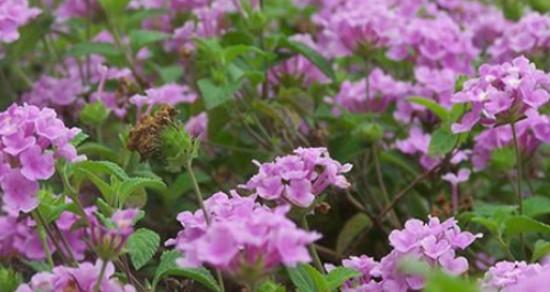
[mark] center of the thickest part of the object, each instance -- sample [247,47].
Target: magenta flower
[298,178]
[19,192]
[243,237]
[109,240]
[197,126]
[13,15]
[82,278]
[502,94]
[504,275]
[30,141]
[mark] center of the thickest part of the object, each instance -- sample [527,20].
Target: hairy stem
[312,250]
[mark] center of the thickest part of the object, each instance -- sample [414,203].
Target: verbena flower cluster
[118,117]
[31,141]
[241,235]
[435,243]
[298,178]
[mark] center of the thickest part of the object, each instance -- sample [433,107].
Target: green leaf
[503,159]
[215,95]
[323,64]
[104,188]
[541,249]
[170,73]
[140,38]
[99,150]
[142,246]
[131,185]
[352,228]
[114,7]
[521,223]
[9,279]
[439,281]
[536,206]
[79,139]
[541,6]
[168,266]
[306,278]
[102,167]
[270,286]
[232,52]
[89,48]
[300,278]
[442,141]
[339,275]
[433,106]
[30,35]
[51,206]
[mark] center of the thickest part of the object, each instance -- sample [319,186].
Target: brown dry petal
[144,136]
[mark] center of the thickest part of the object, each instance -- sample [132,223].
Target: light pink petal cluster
[298,178]
[504,276]
[13,15]
[31,139]
[84,278]
[242,236]
[434,243]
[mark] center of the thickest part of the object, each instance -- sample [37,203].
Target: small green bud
[369,132]
[94,114]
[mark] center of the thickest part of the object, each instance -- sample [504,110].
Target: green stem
[312,250]
[519,170]
[198,193]
[100,278]
[385,196]
[44,241]
[518,184]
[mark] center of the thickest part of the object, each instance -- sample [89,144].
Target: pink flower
[242,234]
[299,177]
[19,192]
[13,15]
[197,126]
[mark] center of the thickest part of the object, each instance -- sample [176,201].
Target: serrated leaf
[131,185]
[433,106]
[442,141]
[270,286]
[89,48]
[352,228]
[142,246]
[100,150]
[140,38]
[323,64]
[79,139]
[536,206]
[521,223]
[9,279]
[339,275]
[114,7]
[168,266]
[102,167]
[439,281]
[104,188]
[214,95]
[540,250]
[307,279]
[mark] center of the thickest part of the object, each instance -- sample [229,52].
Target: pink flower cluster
[82,278]
[110,239]
[503,276]
[298,68]
[502,93]
[171,94]
[298,178]
[433,242]
[31,140]
[13,15]
[529,36]
[382,91]
[242,236]
[197,126]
